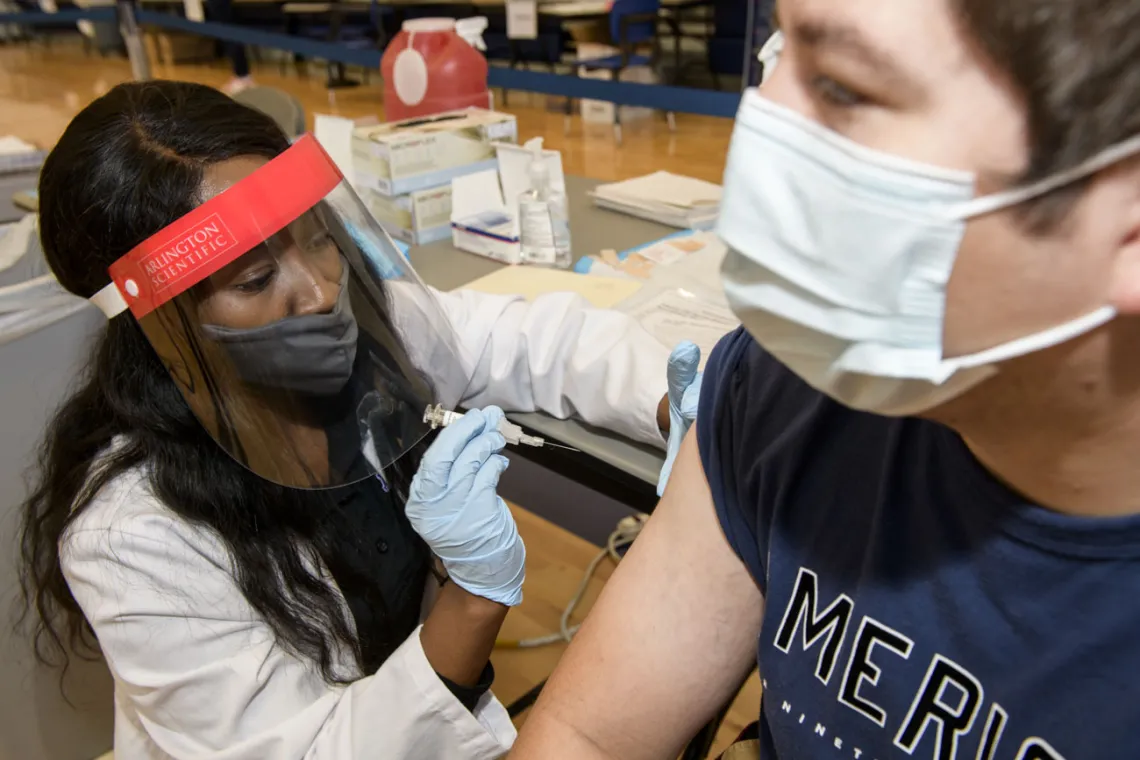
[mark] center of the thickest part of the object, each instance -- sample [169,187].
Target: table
[610,463]
[181,3]
[576,10]
[12,184]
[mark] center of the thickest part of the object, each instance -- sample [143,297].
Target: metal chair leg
[671,119]
[617,120]
[701,744]
[699,747]
[568,112]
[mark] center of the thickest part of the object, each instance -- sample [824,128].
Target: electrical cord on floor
[627,530]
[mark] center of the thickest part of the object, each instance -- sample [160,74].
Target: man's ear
[1124,289]
[1124,292]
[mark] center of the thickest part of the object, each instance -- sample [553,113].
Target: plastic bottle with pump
[544,237]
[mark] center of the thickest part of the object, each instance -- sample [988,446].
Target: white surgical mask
[839,257]
[769,55]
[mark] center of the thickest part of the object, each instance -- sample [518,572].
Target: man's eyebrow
[823,35]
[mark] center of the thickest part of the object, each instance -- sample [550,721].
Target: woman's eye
[835,94]
[256,284]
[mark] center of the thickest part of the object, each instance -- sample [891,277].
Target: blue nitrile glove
[455,508]
[684,393]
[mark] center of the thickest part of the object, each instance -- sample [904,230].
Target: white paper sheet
[11,145]
[671,250]
[194,10]
[699,271]
[334,133]
[530,282]
[663,188]
[522,19]
[476,193]
[675,314]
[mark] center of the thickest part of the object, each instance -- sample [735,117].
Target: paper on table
[687,260]
[697,271]
[334,133]
[664,188]
[11,145]
[675,315]
[672,249]
[530,282]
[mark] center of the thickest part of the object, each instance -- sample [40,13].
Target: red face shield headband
[184,253]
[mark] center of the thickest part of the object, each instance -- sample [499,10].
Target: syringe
[439,417]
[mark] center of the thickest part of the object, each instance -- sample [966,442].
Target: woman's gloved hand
[684,392]
[454,506]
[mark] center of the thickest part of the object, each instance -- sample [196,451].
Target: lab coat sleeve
[560,356]
[201,674]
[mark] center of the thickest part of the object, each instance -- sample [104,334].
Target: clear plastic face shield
[297,332]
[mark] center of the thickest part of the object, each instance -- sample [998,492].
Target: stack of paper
[18,156]
[675,314]
[664,197]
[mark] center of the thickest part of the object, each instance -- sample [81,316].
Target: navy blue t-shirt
[914,606]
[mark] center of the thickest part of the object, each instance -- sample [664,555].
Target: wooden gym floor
[41,88]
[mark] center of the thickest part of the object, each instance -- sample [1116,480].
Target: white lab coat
[197,672]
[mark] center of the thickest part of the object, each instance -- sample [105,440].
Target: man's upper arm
[671,636]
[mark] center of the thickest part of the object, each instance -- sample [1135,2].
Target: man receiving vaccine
[912,494]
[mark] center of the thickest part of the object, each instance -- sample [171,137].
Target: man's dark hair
[1076,64]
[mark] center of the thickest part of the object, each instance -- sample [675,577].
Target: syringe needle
[560,446]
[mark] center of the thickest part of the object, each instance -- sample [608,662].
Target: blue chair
[633,24]
[45,32]
[345,24]
[545,50]
[730,26]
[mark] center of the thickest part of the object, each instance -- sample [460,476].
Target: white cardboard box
[481,222]
[484,206]
[416,154]
[420,217]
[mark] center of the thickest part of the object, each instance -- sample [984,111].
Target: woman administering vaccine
[243,501]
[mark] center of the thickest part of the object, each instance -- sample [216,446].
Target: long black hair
[129,164]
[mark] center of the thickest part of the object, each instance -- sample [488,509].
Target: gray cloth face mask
[310,353]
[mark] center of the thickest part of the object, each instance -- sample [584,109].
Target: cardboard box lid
[451,121]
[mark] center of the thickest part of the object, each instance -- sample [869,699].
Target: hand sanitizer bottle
[544,234]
